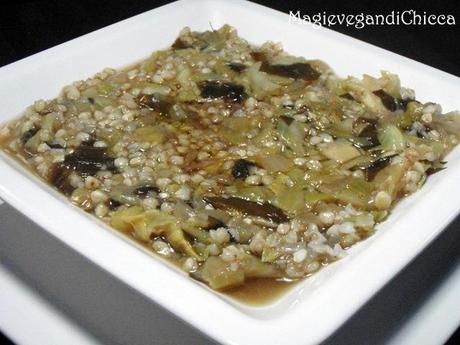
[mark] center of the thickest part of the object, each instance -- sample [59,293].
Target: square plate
[317,306]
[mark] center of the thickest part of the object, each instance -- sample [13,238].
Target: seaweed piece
[214,223]
[298,70]
[215,89]
[431,170]
[241,168]
[142,191]
[180,44]
[237,67]
[435,168]
[88,160]
[113,204]
[88,143]
[29,134]
[162,106]
[376,166]
[287,119]
[388,101]
[370,134]
[347,96]
[59,178]
[259,56]
[404,102]
[250,208]
[422,131]
[54,146]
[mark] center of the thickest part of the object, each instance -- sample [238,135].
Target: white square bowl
[318,305]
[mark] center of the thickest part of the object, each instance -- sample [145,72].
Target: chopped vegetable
[161,106]
[376,166]
[29,134]
[259,82]
[369,133]
[146,224]
[59,178]
[143,191]
[113,204]
[276,162]
[296,70]
[293,136]
[180,44]
[87,160]
[347,96]
[231,92]
[391,103]
[237,67]
[153,134]
[340,151]
[241,168]
[435,168]
[219,275]
[391,139]
[249,208]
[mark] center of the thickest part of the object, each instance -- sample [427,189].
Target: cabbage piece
[32,143]
[50,122]
[275,162]
[110,136]
[121,219]
[152,223]
[152,134]
[105,88]
[242,232]
[312,198]
[218,274]
[291,199]
[201,235]
[340,151]
[259,82]
[270,254]
[390,179]
[234,129]
[391,139]
[293,135]
[153,88]
[252,193]
[350,190]
[255,268]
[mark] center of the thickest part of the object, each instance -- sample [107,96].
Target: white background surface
[44,306]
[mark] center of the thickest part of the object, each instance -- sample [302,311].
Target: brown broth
[260,291]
